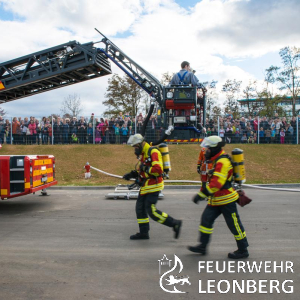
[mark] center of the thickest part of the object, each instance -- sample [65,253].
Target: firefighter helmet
[135,139]
[212,142]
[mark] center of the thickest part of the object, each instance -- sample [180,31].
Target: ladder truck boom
[50,69]
[143,78]
[181,106]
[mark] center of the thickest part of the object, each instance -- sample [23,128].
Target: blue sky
[255,66]
[4,14]
[187,3]
[222,39]
[7,15]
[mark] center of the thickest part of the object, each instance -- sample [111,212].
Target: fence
[86,130]
[262,131]
[90,130]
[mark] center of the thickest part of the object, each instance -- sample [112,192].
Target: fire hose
[199,182]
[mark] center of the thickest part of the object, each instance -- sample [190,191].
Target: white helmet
[87,163]
[135,139]
[211,141]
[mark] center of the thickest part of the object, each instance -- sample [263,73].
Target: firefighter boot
[140,236]
[238,254]
[201,249]
[176,228]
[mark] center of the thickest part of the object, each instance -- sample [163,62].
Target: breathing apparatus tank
[164,150]
[238,165]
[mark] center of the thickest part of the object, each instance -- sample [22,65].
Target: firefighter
[221,200]
[203,167]
[149,176]
[185,76]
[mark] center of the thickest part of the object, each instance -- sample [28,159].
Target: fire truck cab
[25,174]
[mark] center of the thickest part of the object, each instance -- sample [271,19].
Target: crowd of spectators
[115,130]
[253,130]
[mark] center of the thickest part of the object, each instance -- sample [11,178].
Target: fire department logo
[168,280]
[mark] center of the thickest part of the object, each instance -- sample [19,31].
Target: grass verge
[264,163]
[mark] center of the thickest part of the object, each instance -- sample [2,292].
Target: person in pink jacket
[282,135]
[32,129]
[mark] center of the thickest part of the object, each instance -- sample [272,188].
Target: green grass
[264,163]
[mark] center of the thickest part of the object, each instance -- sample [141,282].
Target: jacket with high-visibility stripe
[204,164]
[223,172]
[153,180]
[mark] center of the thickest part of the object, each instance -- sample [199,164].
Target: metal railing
[88,130]
[93,131]
[266,132]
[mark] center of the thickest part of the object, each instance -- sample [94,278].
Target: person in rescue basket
[185,76]
[149,177]
[221,200]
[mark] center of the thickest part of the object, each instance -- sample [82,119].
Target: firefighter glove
[145,169]
[199,169]
[211,172]
[132,174]
[199,197]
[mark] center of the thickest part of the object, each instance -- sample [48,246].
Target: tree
[71,105]
[250,92]
[271,104]
[166,78]
[67,116]
[54,116]
[123,95]
[217,111]
[287,77]
[2,112]
[211,97]
[231,88]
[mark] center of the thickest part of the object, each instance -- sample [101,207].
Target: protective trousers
[145,206]
[232,219]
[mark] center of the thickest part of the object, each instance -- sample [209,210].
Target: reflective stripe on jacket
[152,184]
[223,173]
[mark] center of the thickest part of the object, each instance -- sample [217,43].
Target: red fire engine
[25,174]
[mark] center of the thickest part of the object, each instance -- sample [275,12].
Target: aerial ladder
[179,107]
[50,69]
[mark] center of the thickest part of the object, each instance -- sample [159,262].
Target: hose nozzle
[169,130]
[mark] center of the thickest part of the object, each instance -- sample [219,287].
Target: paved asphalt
[75,245]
